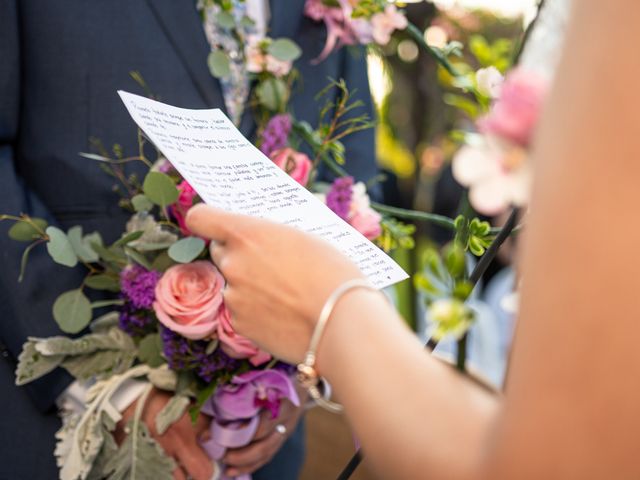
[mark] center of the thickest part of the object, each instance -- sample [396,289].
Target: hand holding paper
[229,173]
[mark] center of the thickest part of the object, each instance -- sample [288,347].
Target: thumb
[210,222]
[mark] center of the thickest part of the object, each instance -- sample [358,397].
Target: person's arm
[570,409]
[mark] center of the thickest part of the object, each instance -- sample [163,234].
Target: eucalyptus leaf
[103,281]
[160,189]
[272,94]
[150,350]
[171,413]
[219,64]
[81,246]
[24,231]
[72,311]
[284,49]
[186,250]
[141,203]
[60,248]
[140,457]
[225,20]
[33,364]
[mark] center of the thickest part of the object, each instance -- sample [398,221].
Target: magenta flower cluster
[339,197]
[276,134]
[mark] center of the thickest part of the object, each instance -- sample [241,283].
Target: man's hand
[267,440]
[180,441]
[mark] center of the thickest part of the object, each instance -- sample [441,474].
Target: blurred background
[422,117]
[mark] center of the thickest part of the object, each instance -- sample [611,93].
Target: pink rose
[515,113]
[188,299]
[235,345]
[181,207]
[296,164]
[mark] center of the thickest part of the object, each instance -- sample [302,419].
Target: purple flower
[276,134]
[135,322]
[184,354]
[340,195]
[248,393]
[138,286]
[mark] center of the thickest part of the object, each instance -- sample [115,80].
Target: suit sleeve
[25,309]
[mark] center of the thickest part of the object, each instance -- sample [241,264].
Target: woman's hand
[278,278]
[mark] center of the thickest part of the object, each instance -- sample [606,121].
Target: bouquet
[160,314]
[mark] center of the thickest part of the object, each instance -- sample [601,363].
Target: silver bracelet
[307,374]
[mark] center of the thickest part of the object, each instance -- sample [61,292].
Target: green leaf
[81,246]
[225,20]
[284,49]
[140,457]
[72,311]
[164,379]
[202,396]
[100,363]
[171,413]
[150,350]
[186,250]
[105,323]
[99,469]
[138,257]
[103,281]
[33,365]
[160,189]
[126,239]
[24,231]
[141,203]
[25,259]
[272,94]
[111,255]
[218,63]
[162,262]
[107,303]
[60,248]
[247,22]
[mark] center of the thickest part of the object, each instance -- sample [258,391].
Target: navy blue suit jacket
[61,63]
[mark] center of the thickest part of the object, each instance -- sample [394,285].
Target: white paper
[230,173]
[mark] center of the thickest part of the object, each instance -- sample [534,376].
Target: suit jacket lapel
[182,25]
[285,17]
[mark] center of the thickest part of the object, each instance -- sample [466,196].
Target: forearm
[437,417]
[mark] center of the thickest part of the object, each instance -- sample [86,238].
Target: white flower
[497,173]
[278,67]
[384,23]
[258,60]
[448,316]
[489,81]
